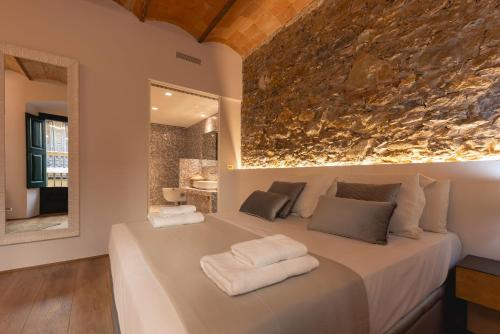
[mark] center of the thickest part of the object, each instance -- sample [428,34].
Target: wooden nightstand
[478,282]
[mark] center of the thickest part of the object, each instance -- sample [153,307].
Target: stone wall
[376,82]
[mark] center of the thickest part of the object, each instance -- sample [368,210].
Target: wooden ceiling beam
[22,68]
[216,20]
[144,11]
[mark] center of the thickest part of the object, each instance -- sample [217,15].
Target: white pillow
[435,215]
[425,180]
[410,201]
[316,185]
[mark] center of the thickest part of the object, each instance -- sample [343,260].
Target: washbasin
[174,195]
[206,185]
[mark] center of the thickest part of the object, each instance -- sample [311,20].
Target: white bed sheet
[397,276]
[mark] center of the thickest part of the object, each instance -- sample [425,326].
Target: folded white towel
[235,277]
[159,220]
[174,210]
[268,250]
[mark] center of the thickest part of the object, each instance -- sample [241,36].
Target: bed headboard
[474,212]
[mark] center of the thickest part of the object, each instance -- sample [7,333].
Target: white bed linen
[142,304]
[397,276]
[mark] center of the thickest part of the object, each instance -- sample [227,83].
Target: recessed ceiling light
[168,94]
[202,115]
[155,108]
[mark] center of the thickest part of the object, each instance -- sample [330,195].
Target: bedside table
[478,282]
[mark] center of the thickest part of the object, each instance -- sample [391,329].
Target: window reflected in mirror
[36,146]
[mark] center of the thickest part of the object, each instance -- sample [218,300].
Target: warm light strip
[493,157]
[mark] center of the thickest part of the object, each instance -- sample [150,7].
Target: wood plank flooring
[72,297]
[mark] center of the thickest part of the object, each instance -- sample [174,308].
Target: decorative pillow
[368,192]
[290,189]
[435,215]
[362,220]
[410,201]
[316,185]
[264,205]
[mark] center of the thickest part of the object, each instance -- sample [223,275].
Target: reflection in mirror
[36,146]
[209,149]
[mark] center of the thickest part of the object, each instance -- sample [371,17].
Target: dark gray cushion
[362,220]
[369,192]
[290,189]
[264,204]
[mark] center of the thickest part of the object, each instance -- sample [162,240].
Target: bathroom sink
[174,195]
[206,185]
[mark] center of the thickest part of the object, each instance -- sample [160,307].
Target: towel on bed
[159,220]
[268,250]
[174,210]
[329,299]
[235,277]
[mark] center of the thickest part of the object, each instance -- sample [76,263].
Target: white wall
[19,91]
[229,149]
[474,212]
[117,54]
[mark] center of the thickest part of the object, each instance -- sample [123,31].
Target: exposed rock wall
[376,82]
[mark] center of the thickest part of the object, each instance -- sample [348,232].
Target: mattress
[397,276]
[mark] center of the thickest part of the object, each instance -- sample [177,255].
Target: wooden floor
[71,298]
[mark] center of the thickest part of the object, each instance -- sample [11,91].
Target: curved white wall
[117,55]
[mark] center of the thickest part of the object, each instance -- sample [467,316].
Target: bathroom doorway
[183,148]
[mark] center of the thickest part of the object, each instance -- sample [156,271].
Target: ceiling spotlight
[168,94]
[202,115]
[155,108]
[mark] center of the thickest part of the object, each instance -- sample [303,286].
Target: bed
[398,277]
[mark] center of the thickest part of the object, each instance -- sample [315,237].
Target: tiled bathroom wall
[176,154]
[190,167]
[166,147]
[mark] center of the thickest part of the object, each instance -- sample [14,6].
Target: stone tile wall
[169,144]
[376,81]
[166,148]
[190,167]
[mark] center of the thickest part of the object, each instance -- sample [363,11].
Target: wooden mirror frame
[71,66]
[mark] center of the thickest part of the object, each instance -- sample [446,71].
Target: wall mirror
[39,146]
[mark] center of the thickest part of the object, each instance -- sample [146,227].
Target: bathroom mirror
[39,150]
[209,146]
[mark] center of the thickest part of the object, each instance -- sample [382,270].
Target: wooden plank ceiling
[243,25]
[35,70]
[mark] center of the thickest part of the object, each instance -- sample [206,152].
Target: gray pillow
[290,189]
[264,204]
[362,220]
[369,192]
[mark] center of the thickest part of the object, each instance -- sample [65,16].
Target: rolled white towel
[175,210]
[268,250]
[235,277]
[159,220]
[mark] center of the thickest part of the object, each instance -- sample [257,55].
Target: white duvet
[397,276]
